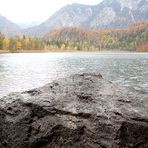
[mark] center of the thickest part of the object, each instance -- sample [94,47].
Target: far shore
[49,51]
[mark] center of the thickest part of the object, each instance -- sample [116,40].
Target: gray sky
[26,11]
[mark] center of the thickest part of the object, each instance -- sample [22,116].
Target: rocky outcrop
[81,111]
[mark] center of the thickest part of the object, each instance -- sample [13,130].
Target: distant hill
[7,27]
[107,14]
[132,38]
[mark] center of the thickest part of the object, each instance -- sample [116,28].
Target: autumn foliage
[143,48]
[132,38]
[20,43]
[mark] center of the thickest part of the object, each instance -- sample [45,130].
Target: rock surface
[81,111]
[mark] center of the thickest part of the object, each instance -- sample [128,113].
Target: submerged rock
[81,111]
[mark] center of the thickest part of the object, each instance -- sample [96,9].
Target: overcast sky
[25,11]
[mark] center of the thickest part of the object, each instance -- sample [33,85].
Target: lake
[23,71]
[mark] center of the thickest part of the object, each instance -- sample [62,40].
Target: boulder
[81,111]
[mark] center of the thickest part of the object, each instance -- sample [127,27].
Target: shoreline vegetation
[68,51]
[133,39]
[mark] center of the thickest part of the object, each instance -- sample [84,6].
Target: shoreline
[68,51]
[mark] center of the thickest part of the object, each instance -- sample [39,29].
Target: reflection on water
[24,71]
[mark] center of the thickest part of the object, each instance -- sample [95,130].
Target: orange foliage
[135,27]
[143,47]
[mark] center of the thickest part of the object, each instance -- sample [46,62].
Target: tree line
[17,43]
[133,38]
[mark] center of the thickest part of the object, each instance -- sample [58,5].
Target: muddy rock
[81,111]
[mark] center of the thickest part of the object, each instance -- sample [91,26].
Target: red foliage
[143,47]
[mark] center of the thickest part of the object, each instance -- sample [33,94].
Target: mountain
[7,27]
[132,38]
[107,14]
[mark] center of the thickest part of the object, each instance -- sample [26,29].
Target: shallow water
[24,71]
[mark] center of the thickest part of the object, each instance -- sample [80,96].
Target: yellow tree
[25,43]
[6,42]
[63,46]
[18,45]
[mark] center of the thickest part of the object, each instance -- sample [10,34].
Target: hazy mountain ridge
[7,27]
[107,14]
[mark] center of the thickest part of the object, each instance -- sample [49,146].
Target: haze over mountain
[107,14]
[26,25]
[7,27]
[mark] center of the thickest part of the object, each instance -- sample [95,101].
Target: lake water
[24,71]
